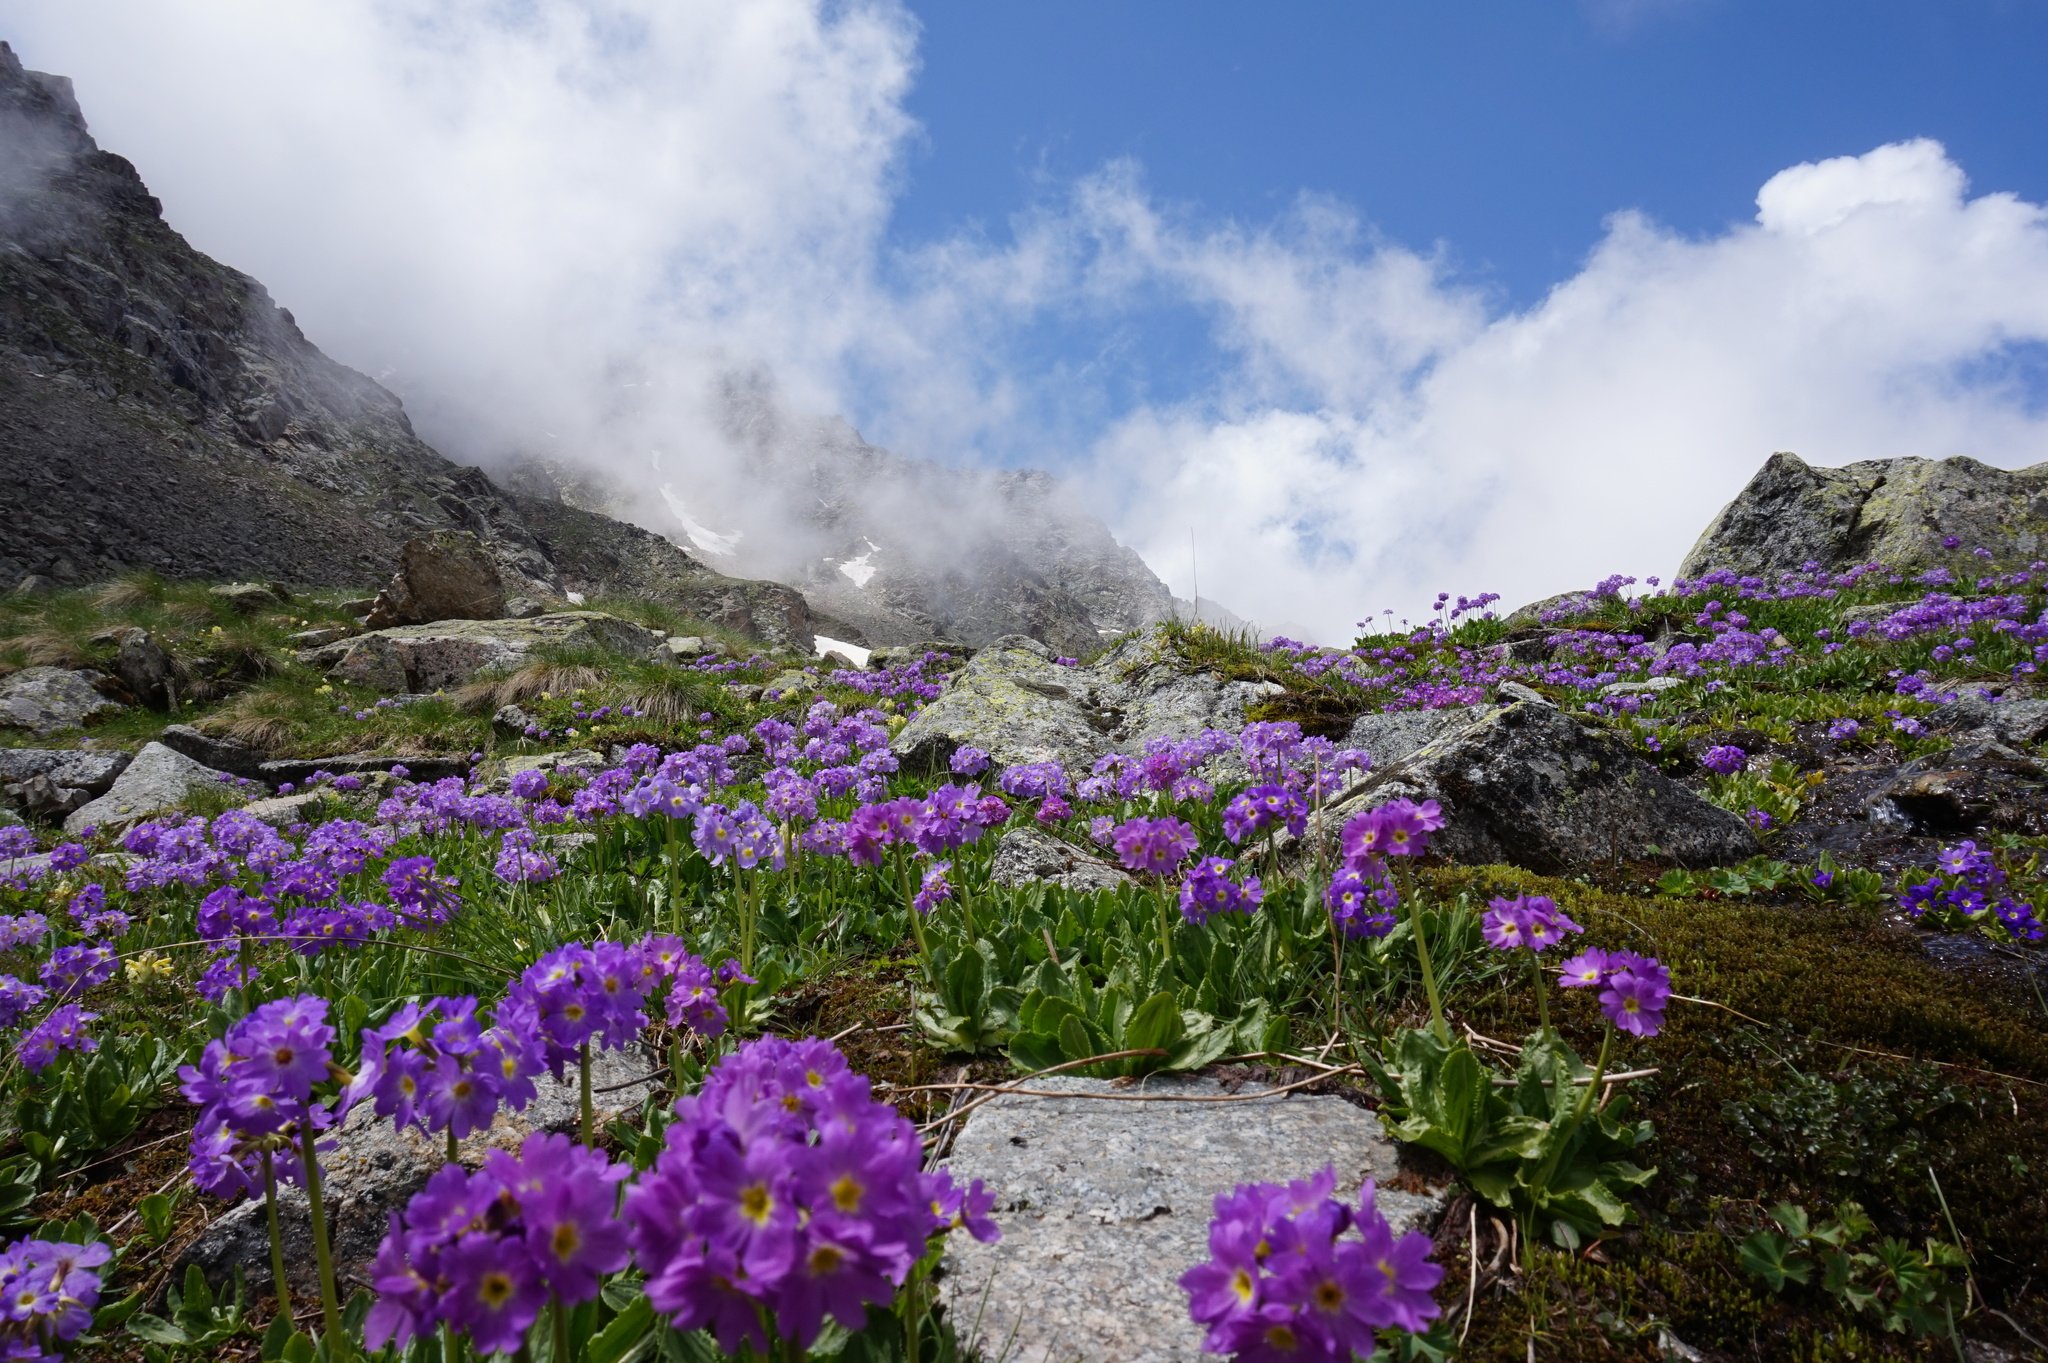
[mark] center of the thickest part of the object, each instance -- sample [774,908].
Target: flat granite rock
[1104,1204]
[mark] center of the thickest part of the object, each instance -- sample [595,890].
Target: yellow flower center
[846,1191]
[495,1290]
[565,1241]
[826,1259]
[756,1204]
[1241,1283]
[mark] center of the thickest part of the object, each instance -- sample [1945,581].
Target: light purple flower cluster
[1295,1274]
[1361,905]
[1266,806]
[255,1087]
[48,1291]
[1532,922]
[483,1252]
[1209,890]
[1633,989]
[1398,828]
[1968,882]
[785,1185]
[1153,846]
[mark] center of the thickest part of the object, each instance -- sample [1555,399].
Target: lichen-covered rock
[447,653]
[1026,855]
[1014,703]
[1018,705]
[158,779]
[1105,1202]
[48,700]
[375,1168]
[248,598]
[2019,723]
[1390,735]
[1531,786]
[143,665]
[72,768]
[1892,511]
[448,575]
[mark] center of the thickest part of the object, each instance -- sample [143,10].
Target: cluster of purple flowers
[1208,890]
[1153,846]
[1265,806]
[483,1252]
[256,1091]
[785,1185]
[48,1290]
[1724,760]
[1532,922]
[1633,989]
[1968,882]
[1295,1274]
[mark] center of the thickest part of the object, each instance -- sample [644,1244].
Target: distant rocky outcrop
[159,411]
[1894,511]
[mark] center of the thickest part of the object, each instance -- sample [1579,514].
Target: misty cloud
[576,230]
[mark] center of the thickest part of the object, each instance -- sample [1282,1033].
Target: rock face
[426,658]
[1104,1203]
[448,575]
[156,780]
[1015,703]
[1025,855]
[375,1168]
[1529,785]
[45,700]
[160,411]
[144,666]
[1893,511]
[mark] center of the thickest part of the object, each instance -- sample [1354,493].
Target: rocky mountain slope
[887,549]
[159,411]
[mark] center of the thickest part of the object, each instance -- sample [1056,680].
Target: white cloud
[565,218]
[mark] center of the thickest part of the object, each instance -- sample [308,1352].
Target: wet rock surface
[1104,1203]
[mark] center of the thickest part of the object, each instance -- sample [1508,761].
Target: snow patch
[855,652]
[708,540]
[574,598]
[862,568]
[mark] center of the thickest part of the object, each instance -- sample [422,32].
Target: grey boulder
[48,700]
[1892,511]
[1104,1202]
[447,653]
[1027,855]
[158,779]
[1530,786]
[448,575]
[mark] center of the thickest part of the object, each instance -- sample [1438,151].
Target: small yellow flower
[326,688]
[148,967]
[216,629]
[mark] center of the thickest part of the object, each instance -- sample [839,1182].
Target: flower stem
[454,1154]
[1436,1003]
[583,1084]
[561,1315]
[330,1302]
[1542,995]
[1337,977]
[284,1295]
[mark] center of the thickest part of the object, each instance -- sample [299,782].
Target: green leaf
[627,1330]
[157,1330]
[1156,1023]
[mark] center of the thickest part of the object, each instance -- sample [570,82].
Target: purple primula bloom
[1634,998]
[518,863]
[62,1029]
[1361,905]
[1399,828]
[49,1290]
[1154,846]
[969,761]
[68,856]
[530,784]
[18,998]
[1724,760]
[1209,890]
[1534,922]
[1286,1278]
[935,889]
[786,1195]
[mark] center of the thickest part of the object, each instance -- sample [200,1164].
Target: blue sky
[1505,132]
[1372,300]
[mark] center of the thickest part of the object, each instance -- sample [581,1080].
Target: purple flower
[530,784]
[1398,828]
[1534,922]
[969,761]
[1287,1278]
[785,1193]
[18,998]
[1634,998]
[1264,807]
[1724,760]
[1209,890]
[49,1291]
[1361,905]
[518,863]
[62,1029]
[1155,846]
[935,889]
